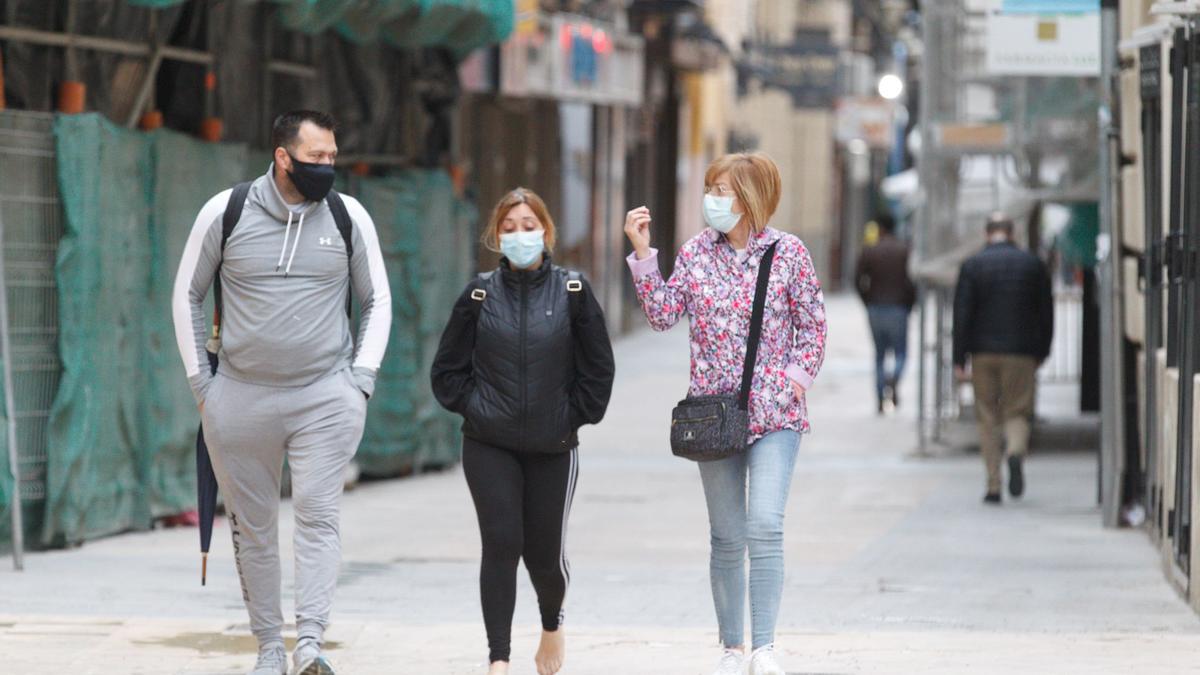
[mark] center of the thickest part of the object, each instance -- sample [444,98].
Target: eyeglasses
[718,190]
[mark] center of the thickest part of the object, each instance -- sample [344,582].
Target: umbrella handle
[203,569]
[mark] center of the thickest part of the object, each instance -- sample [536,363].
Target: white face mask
[718,213]
[523,248]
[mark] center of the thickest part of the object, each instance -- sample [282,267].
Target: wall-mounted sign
[868,119]
[573,58]
[807,69]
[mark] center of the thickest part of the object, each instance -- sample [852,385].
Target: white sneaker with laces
[308,659]
[731,663]
[271,661]
[763,662]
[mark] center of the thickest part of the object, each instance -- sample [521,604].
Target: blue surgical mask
[718,213]
[523,248]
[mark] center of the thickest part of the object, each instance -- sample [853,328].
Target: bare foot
[498,668]
[549,658]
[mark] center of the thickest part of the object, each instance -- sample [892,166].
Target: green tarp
[429,256]
[6,483]
[461,25]
[458,25]
[122,426]
[123,423]
[92,483]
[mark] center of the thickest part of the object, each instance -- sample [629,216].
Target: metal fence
[1065,363]
[939,404]
[29,206]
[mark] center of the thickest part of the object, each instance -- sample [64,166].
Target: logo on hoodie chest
[265,253]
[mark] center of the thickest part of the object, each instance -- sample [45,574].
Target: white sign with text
[1044,44]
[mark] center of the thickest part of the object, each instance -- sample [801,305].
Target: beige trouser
[1004,391]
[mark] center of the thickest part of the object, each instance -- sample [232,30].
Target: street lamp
[891,86]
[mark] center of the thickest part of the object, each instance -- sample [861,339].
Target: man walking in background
[292,382]
[1003,321]
[881,277]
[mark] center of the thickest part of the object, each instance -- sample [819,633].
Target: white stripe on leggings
[563,564]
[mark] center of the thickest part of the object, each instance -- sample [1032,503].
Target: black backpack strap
[478,290]
[233,213]
[574,293]
[756,320]
[341,217]
[479,294]
[233,210]
[345,227]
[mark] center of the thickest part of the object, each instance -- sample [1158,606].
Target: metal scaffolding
[987,143]
[31,228]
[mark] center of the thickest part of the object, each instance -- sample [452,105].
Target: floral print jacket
[716,292]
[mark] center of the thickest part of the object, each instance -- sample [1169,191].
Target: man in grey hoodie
[293,381]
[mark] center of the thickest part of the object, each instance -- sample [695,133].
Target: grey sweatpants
[249,430]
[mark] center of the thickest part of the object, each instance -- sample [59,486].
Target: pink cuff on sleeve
[641,268]
[798,374]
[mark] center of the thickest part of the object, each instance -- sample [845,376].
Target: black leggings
[522,500]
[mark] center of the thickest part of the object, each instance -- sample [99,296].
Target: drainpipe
[1112,420]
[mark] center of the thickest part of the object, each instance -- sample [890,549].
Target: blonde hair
[518,196]
[755,181]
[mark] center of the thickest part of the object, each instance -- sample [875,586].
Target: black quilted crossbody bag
[707,428]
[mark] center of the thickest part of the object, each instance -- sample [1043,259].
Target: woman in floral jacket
[713,285]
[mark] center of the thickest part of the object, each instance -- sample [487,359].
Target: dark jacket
[527,365]
[881,274]
[1003,305]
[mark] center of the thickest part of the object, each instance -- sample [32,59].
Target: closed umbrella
[206,491]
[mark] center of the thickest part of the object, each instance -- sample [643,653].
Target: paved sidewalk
[894,565]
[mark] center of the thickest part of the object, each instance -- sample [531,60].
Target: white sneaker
[308,659]
[731,663]
[762,662]
[271,661]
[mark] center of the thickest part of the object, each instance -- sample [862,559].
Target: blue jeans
[737,523]
[889,328]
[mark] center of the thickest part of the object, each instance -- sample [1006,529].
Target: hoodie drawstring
[286,232]
[295,245]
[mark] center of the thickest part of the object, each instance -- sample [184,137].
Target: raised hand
[637,228]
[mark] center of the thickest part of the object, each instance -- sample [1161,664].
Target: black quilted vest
[524,365]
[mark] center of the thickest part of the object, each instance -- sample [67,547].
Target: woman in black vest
[526,360]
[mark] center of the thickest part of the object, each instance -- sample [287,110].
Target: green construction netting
[6,483]
[462,25]
[364,23]
[185,173]
[123,423]
[122,428]
[92,479]
[429,256]
[459,25]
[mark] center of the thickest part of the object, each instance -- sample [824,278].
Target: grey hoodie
[284,280]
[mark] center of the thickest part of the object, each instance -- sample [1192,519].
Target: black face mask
[312,180]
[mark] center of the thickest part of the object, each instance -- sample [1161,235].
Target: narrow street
[894,564]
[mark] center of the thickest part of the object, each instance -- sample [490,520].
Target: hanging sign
[1044,44]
